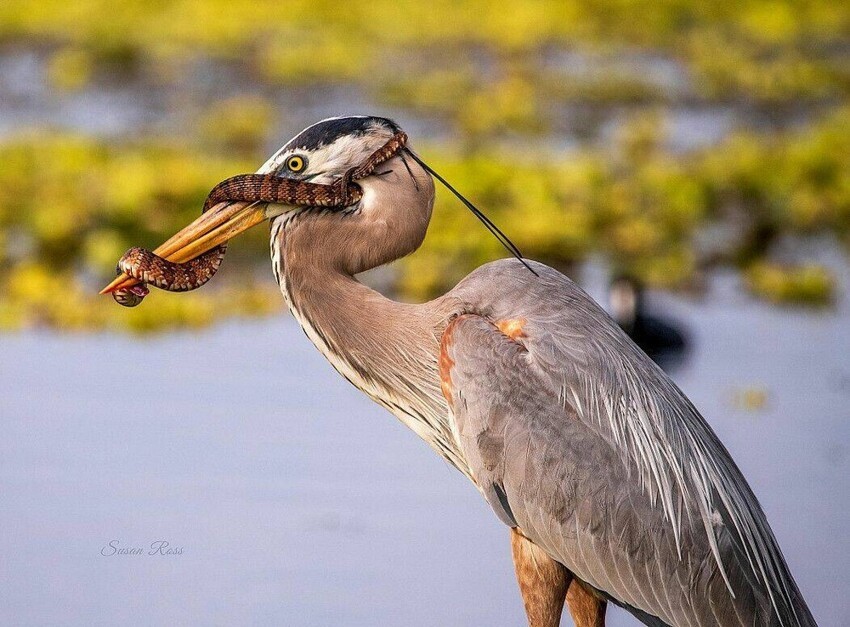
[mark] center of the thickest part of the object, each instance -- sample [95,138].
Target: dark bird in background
[659,338]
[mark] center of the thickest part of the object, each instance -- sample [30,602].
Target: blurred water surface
[297,501]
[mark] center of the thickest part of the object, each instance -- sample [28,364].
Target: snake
[150,269]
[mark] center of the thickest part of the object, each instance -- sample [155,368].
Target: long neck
[387,349]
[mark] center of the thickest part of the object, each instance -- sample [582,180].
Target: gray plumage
[602,461]
[569,430]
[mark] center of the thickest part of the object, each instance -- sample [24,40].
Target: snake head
[131,296]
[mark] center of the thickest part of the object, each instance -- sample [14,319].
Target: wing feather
[579,402]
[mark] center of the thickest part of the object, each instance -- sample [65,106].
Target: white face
[327,162]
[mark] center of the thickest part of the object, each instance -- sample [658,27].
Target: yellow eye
[296,163]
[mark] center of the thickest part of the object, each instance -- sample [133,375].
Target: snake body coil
[148,268]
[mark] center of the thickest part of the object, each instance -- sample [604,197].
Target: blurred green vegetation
[69,208]
[500,80]
[644,208]
[762,49]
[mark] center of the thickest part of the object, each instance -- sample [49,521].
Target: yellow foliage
[493,80]
[70,69]
[807,285]
[240,124]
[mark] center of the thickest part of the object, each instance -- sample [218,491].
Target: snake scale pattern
[150,269]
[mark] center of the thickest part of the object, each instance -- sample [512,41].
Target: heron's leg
[587,609]
[542,581]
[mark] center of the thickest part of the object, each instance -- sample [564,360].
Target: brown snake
[148,268]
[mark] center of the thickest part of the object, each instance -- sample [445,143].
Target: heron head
[323,152]
[388,222]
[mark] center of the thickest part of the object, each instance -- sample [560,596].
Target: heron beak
[218,225]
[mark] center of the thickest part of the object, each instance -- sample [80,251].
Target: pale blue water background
[298,502]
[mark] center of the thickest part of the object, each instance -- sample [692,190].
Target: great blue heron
[613,486]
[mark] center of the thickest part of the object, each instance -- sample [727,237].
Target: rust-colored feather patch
[512,327]
[446,362]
